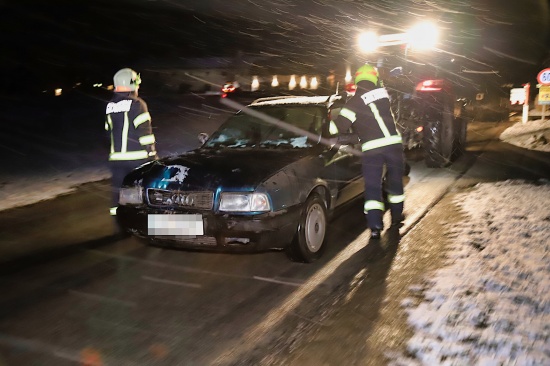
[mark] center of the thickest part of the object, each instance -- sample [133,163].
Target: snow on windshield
[297,100]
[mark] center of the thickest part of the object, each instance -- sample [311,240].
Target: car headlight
[130,196]
[244,202]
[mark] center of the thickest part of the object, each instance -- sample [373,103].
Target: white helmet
[126,80]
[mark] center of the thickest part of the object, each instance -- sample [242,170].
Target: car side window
[306,118]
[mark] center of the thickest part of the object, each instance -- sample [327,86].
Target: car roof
[297,99]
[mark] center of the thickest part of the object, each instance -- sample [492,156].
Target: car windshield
[243,130]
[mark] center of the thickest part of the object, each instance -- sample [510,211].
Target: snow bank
[533,135]
[17,191]
[490,304]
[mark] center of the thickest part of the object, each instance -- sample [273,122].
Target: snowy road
[123,303]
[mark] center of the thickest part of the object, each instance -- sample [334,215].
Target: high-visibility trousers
[373,162]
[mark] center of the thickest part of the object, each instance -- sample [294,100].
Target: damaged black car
[266,179]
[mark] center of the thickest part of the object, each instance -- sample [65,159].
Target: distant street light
[292,83]
[255,84]
[314,84]
[303,82]
[348,75]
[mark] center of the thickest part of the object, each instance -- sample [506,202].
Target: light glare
[255,84]
[292,83]
[423,36]
[368,42]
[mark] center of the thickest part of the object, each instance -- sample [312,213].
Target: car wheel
[460,137]
[308,244]
[438,141]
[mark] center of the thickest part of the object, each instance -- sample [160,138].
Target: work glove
[347,139]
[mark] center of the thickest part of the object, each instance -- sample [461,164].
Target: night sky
[53,42]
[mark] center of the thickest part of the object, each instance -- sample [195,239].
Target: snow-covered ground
[533,135]
[488,305]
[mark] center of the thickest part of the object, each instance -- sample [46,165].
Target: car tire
[308,243]
[438,140]
[460,137]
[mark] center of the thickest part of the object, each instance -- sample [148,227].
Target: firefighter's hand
[348,139]
[334,143]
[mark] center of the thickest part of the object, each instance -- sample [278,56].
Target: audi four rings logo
[182,199]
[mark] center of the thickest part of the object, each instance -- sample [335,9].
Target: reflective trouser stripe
[396,198]
[373,205]
[381,142]
[129,155]
[112,211]
[147,139]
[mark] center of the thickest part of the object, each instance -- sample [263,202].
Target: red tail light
[228,89]
[430,85]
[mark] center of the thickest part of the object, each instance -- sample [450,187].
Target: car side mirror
[203,136]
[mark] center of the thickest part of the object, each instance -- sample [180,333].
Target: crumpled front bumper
[222,232]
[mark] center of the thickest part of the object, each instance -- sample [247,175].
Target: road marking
[250,339]
[171,282]
[166,266]
[103,298]
[272,280]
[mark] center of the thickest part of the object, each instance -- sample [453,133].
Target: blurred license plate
[175,225]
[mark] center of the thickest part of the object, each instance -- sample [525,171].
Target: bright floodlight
[423,36]
[368,41]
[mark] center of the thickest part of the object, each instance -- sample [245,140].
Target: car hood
[205,169]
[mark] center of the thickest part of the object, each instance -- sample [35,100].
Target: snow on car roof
[296,100]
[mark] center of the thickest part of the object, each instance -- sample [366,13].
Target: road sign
[544,77]
[544,95]
[517,96]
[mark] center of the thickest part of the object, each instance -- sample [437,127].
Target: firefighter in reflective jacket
[368,115]
[129,123]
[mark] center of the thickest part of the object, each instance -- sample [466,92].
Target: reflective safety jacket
[129,124]
[368,114]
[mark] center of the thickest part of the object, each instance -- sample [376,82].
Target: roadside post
[544,91]
[525,117]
